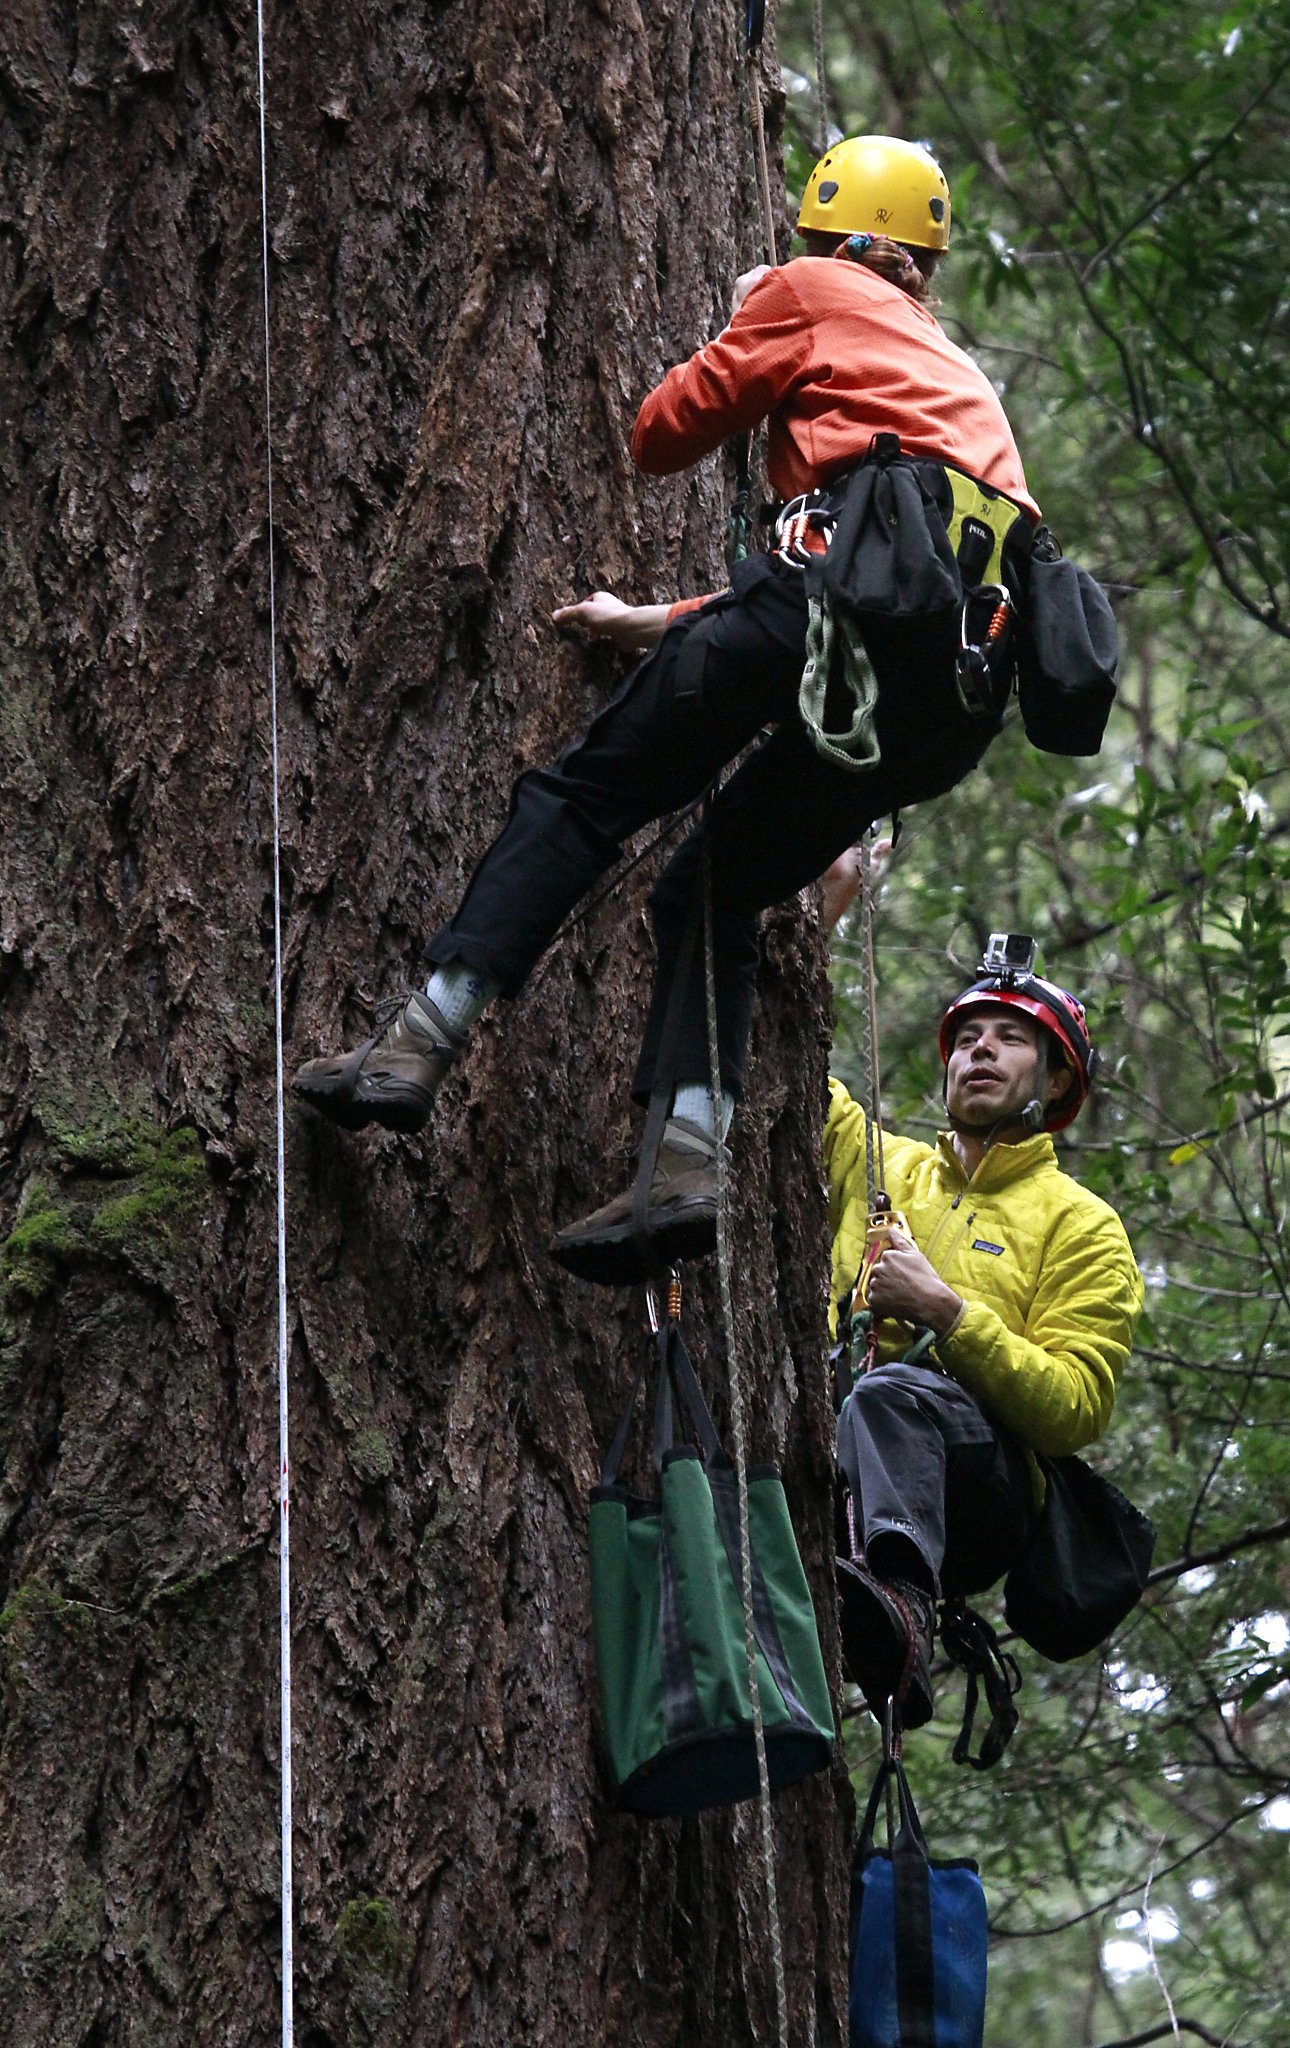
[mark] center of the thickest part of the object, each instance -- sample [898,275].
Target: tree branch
[1126,1891]
[1087,935]
[1276,1533]
[1198,164]
[1170,2029]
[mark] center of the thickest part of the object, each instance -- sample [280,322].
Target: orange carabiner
[877,1236]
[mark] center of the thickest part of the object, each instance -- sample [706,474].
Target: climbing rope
[738,521]
[759,144]
[284,1465]
[874,1169]
[739,1428]
[864,1048]
[821,87]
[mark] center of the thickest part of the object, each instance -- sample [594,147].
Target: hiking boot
[887,1627]
[391,1078]
[682,1215]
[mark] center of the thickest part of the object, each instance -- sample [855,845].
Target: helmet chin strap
[1031,1119]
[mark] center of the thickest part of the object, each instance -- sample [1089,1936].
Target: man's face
[993,1067]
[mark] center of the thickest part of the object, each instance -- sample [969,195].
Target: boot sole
[613,1259]
[872,1656]
[406,1111]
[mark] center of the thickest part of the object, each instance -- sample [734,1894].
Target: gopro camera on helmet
[1009,955]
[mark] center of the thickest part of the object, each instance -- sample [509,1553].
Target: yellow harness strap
[976,506]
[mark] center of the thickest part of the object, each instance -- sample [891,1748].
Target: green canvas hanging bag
[668,1617]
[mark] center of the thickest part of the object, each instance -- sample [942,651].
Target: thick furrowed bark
[490,232]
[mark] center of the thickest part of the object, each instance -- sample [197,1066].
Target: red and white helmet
[1005,983]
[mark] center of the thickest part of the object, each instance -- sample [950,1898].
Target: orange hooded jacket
[830,354]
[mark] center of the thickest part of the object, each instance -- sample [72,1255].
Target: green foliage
[1121,181]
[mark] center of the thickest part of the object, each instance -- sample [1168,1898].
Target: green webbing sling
[856,746]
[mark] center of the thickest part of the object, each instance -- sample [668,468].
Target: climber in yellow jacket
[1028,1288]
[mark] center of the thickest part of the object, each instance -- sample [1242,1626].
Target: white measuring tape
[284,1462]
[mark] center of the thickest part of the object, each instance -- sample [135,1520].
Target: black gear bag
[1067,651]
[1085,1566]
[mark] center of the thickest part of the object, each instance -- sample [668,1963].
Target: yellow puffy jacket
[1050,1286]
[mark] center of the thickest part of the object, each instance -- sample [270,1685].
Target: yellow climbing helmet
[879,185]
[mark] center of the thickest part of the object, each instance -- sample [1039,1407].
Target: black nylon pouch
[1067,653]
[1085,1567]
[890,551]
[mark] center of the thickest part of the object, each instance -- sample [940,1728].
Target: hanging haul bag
[1067,653]
[1085,1566]
[668,1618]
[918,1937]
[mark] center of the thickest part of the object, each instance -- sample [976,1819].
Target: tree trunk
[492,227]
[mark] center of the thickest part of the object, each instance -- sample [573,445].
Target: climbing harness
[835,658]
[899,535]
[284,1463]
[858,1342]
[980,526]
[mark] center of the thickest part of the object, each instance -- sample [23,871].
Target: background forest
[1121,181]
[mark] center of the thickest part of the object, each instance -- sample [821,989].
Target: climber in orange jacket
[842,356]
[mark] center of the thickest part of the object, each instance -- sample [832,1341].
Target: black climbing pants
[927,1467]
[716,678]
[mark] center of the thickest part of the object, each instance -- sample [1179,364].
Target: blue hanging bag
[918,1937]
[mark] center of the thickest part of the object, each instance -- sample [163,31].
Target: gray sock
[460,994]
[693,1101]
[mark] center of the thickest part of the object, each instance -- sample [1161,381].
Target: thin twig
[1277,1532]
[1195,2027]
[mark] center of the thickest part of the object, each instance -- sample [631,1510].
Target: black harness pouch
[1067,653]
[1085,1567]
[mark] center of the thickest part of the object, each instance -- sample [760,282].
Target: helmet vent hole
[828,190]
[936,207]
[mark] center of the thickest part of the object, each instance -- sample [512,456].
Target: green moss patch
[121,1193]
[368,1940]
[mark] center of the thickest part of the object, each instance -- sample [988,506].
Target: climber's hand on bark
[744,284]
[904,1285]
[632,627]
